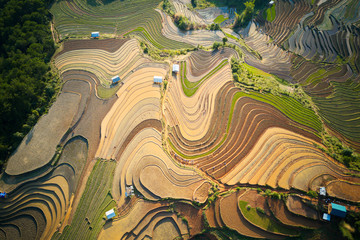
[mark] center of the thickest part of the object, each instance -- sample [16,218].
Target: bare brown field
[280,211]
[39,146]
[296,205]
[344,190]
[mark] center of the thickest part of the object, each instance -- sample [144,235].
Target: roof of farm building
[338,210]
[95,34]
[176,68]
[110,214]
[338,207]
[322,191]
[115,79]
[157,79]
[326,217]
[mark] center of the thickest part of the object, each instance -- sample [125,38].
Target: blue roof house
[337,210]
[110,214]
[95,34]
[115,79]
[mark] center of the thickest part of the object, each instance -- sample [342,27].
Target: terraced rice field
[341,111]
[194,37]
[112,18]
[96,200]
[37,150]
[181,8]
[102,63]
[194,146]
[147,220]
[273,59]
[36,209]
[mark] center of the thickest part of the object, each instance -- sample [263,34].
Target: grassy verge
[219,19]
[106,93]
[263,221]
[270,14]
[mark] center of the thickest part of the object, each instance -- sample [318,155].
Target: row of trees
[26,84]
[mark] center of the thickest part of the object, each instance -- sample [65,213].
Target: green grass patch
[219,19]
[262,220]
[89,217]
[270,13]
[106,93]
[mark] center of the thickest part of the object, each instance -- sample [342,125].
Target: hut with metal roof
[337,210]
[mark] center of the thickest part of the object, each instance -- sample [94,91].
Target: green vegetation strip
[287,105]
[263,221]
[321,74]
[146,36]
[95,201]
[219,19]
[270,13]
[190,88]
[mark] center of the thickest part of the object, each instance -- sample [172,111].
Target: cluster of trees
[245,16]
[336,149]
[26,84]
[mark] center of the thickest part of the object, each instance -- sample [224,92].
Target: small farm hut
[326,217]
[3,195]
[322,191]
[129,191]
[110,214]
[115,79]
[337,210]
[95,34]
[176,68]
[271,2]
[158,79]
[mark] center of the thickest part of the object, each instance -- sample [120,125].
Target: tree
[225,39]
[243,18]
[216,45]
[214,27]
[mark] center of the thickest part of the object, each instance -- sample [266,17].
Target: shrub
[214,27]
[216,45]
[312,194]
[243,18]
[260,210]
[236,77]
[224,40]
[184,23]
